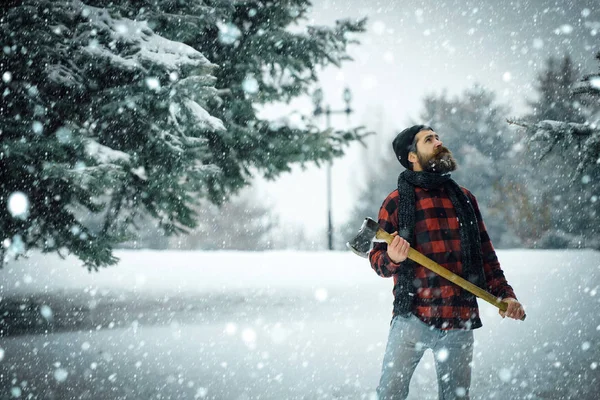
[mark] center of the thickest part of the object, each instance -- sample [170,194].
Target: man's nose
[437,143]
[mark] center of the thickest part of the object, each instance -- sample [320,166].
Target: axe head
[361,244]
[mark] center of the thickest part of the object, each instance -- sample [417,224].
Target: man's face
[432,155]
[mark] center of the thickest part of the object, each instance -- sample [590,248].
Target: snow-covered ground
[275,325]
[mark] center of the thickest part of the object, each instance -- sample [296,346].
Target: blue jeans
[408,339]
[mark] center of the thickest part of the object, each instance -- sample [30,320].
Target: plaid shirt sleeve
[388,221]
[494,276]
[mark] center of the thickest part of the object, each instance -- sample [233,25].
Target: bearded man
[440,219]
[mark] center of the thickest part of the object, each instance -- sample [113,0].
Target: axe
[371,232]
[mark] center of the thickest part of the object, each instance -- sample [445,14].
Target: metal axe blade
[362,243]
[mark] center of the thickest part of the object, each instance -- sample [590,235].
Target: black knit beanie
[404,140]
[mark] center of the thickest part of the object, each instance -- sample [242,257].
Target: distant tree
[556,100]
[243,222]
[113,109]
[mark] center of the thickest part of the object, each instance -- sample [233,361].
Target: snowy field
[275,325]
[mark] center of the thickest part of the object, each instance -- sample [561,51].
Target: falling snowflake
[538,43]
[585,346]
[230,328]
[37,127]
[505,375]
[250,84]
[60,374]
[442,355]
[565,29]
[249,337]
[18,205]
[153,83]
[321,294]
[201,393]
[46,312]
[64,135]
[228,33]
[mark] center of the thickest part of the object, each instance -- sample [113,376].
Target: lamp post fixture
[317,98]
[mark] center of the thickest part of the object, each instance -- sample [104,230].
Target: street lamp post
[319,109]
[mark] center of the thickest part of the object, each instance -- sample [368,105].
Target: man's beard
[440,162]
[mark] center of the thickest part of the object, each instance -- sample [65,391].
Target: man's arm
[388,221]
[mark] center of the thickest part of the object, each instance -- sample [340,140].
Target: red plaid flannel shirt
[437,301]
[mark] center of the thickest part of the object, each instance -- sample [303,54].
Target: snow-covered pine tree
[266,54]
[588,93]
[106,111]
[572,149]
[99,115]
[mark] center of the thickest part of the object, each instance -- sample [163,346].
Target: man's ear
[412,157]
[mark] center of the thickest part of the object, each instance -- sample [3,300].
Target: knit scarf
[470,243]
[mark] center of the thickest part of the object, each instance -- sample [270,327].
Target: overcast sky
[413,48]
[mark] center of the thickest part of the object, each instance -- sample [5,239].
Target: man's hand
[398,249]
[515,309]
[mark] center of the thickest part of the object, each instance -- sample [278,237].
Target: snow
[228,33]
[103,154]
[64,135]
[565,29]
[155,50]
[18,205]
[442,355]
[46,312]
[15,247]
[282,324]
[250,85]
[201,118]
[37,127]
[60,374]
[152,83]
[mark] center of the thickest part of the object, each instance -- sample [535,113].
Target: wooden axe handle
[451,276]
